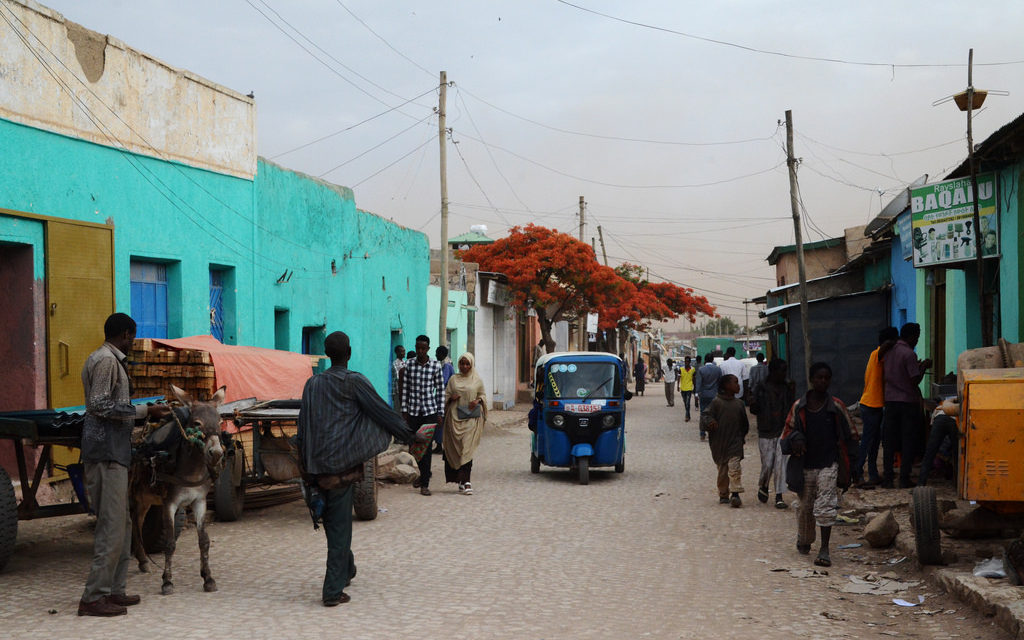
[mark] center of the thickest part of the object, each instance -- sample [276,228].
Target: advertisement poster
[943,225]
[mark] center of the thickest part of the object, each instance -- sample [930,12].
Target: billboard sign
[943,225]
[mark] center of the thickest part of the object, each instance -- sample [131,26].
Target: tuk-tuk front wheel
[620,466]
[583,466]
[534,463]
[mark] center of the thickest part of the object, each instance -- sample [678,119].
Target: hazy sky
[674,140]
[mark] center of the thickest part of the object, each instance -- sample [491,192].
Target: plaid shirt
[422,388]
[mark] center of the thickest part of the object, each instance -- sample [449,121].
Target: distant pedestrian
[770,402]
[106,452]
[730,365]
[726,424]
[422,401]
[903,409]
[820,435]
[447,370]
[342,422]
[640,374]
[465,416]
[706,386]
[872,401]
[686,375]
[670,382]
[757,374]
[396,370]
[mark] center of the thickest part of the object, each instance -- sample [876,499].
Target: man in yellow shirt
[871,403]
[686,383]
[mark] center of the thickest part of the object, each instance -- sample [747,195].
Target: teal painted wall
[1011,267]
[160,211]
[457,320]
[377,285]
[283,223]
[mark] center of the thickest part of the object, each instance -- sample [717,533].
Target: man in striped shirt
[422,400]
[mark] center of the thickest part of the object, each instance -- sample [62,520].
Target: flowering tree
[551,272]
[560,278]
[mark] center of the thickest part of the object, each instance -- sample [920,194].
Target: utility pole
[986,322]
[794,203]
[604,254]
[581,321]
[442,332]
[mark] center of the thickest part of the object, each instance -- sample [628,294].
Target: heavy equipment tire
[364,501]
[534,463]
[925,519]
[8,518]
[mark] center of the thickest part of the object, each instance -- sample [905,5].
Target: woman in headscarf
[465,415]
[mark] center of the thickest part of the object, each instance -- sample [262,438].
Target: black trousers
[341,564]
[900,424]
[424,464]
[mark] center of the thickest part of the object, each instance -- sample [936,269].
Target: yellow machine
[992,444]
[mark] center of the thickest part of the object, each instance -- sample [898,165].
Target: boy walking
[726,424]
[771,402]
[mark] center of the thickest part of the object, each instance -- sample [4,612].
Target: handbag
[795,473]
[464,413]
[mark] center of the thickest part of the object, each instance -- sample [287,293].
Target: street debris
[852,545]
[896,560]
[847,520]
[882,530]
[874,584]
[832,616]
[805,573]
[904,603]
[991,568]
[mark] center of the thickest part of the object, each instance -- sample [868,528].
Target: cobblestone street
[646,554]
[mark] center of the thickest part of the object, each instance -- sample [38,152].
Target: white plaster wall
[141,103]
[496,353]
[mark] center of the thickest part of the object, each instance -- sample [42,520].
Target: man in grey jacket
[342,423]
[705,384]
[107,452]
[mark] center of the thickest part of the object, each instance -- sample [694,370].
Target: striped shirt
[343,422]
[422,388]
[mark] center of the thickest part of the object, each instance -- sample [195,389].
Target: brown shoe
[100,607]
[124,600]
[424,491]
[334,601]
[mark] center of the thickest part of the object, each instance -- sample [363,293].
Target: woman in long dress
[464,418]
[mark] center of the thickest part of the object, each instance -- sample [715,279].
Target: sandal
[467,489]
[823,559]
[762,494]
[781,504]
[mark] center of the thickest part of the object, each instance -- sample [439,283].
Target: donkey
[196,458]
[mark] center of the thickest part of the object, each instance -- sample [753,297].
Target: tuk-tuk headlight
[608,420]
[558,420]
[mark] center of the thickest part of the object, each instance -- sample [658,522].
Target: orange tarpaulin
[250,372]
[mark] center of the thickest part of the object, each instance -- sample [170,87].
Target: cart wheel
[228,498]
[8,518]
[620,466]
[534,463]
[364,502]
[583,464]
[926,526]
[153,540]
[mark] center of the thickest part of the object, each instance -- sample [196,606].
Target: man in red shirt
[903,410]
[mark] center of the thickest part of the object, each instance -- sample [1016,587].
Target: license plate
[584,422]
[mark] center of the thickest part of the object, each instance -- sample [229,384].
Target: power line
[385,168]
[781,54]
[376,146]
[618,138]
[881,154]
[472,177]
[381,38]
[626,186]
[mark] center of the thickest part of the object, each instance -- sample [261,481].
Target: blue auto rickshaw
[579,412]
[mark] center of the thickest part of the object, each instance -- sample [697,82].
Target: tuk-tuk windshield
[583,380]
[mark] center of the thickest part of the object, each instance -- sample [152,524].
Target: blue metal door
[149,299]
[217,304]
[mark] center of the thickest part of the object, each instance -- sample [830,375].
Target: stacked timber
[154,369]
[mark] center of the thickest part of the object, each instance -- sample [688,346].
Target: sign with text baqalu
[943,221]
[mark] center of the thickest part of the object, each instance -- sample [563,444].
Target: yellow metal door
[994,438]
[79,297]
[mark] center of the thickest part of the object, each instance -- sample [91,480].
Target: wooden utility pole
[581,321]
[442,332]
[986,322]
[794,203]
[604,254]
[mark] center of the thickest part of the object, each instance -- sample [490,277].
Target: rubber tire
[364,500]
[925,518]
[583,466]
[534,463]
[229,500]
[8,518]
[153,529]
[620,466]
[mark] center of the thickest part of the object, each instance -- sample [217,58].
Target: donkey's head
[205,418]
